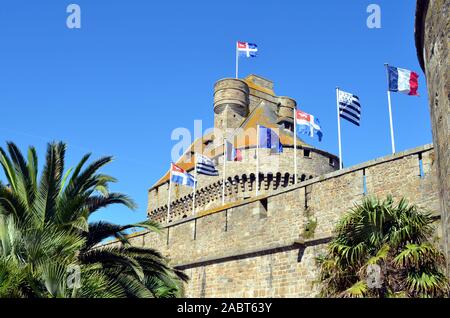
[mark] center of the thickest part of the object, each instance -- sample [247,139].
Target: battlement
[266,246]
[276,172]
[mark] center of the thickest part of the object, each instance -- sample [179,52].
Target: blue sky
[136,70]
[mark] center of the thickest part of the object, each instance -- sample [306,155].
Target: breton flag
[232,153]
[349,107]
[180,176]
[205,166]
[247,49]
[307,124]
[403,81]
[269,139]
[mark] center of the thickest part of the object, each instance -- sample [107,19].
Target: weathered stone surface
[248,250]
[432,42]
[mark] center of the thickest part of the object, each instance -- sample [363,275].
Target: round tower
[286,106]
[231,103]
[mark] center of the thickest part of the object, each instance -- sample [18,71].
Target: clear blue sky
[138,69]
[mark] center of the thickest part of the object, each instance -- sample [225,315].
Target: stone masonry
[259,246]
[432,42]
[239,107]
[267,245]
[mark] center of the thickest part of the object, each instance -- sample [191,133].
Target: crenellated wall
[258,247]
[276,172]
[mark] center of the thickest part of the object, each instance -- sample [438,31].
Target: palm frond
[358,290]
[99,231]
[46,200]
[395,236]
[8,168]
[112,257]
[94,203]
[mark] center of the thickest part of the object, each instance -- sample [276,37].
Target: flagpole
[295,145]
[195,184]
[390,112]
[390,122]
[168,197]
[237,62]
[257,160]
[339,128]
[225,156]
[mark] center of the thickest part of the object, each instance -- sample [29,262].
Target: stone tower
[240,105]
[232,242]
[231,103]
[432,43]
[286,107]
[268,245]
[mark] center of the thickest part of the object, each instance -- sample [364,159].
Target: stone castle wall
[260,246]
[276,171]
[432,42]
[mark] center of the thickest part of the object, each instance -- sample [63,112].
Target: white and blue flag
[180,176]
[247,49]
[307,124]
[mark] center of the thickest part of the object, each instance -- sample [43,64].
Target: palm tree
[394,241]
[44,229]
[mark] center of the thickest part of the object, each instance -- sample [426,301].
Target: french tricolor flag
[403,81]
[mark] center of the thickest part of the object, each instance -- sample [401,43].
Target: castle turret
[286,106]
[239,107]
[231,103]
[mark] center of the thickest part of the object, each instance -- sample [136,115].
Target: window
[332,162]
[157,195]
[264,203]
[307,153]
[364,182]
[263,208]
[208,142]
[421,172]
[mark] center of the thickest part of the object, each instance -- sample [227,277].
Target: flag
[247,49]
[403,81]
[233,154]
[307,124]
[349,107]
[180,176]
[204,165]
[269,139]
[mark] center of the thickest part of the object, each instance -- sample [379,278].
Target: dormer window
[289,126]
[332,162]
[208,142]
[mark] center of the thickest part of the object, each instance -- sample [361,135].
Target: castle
[266,245]
[239,106]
